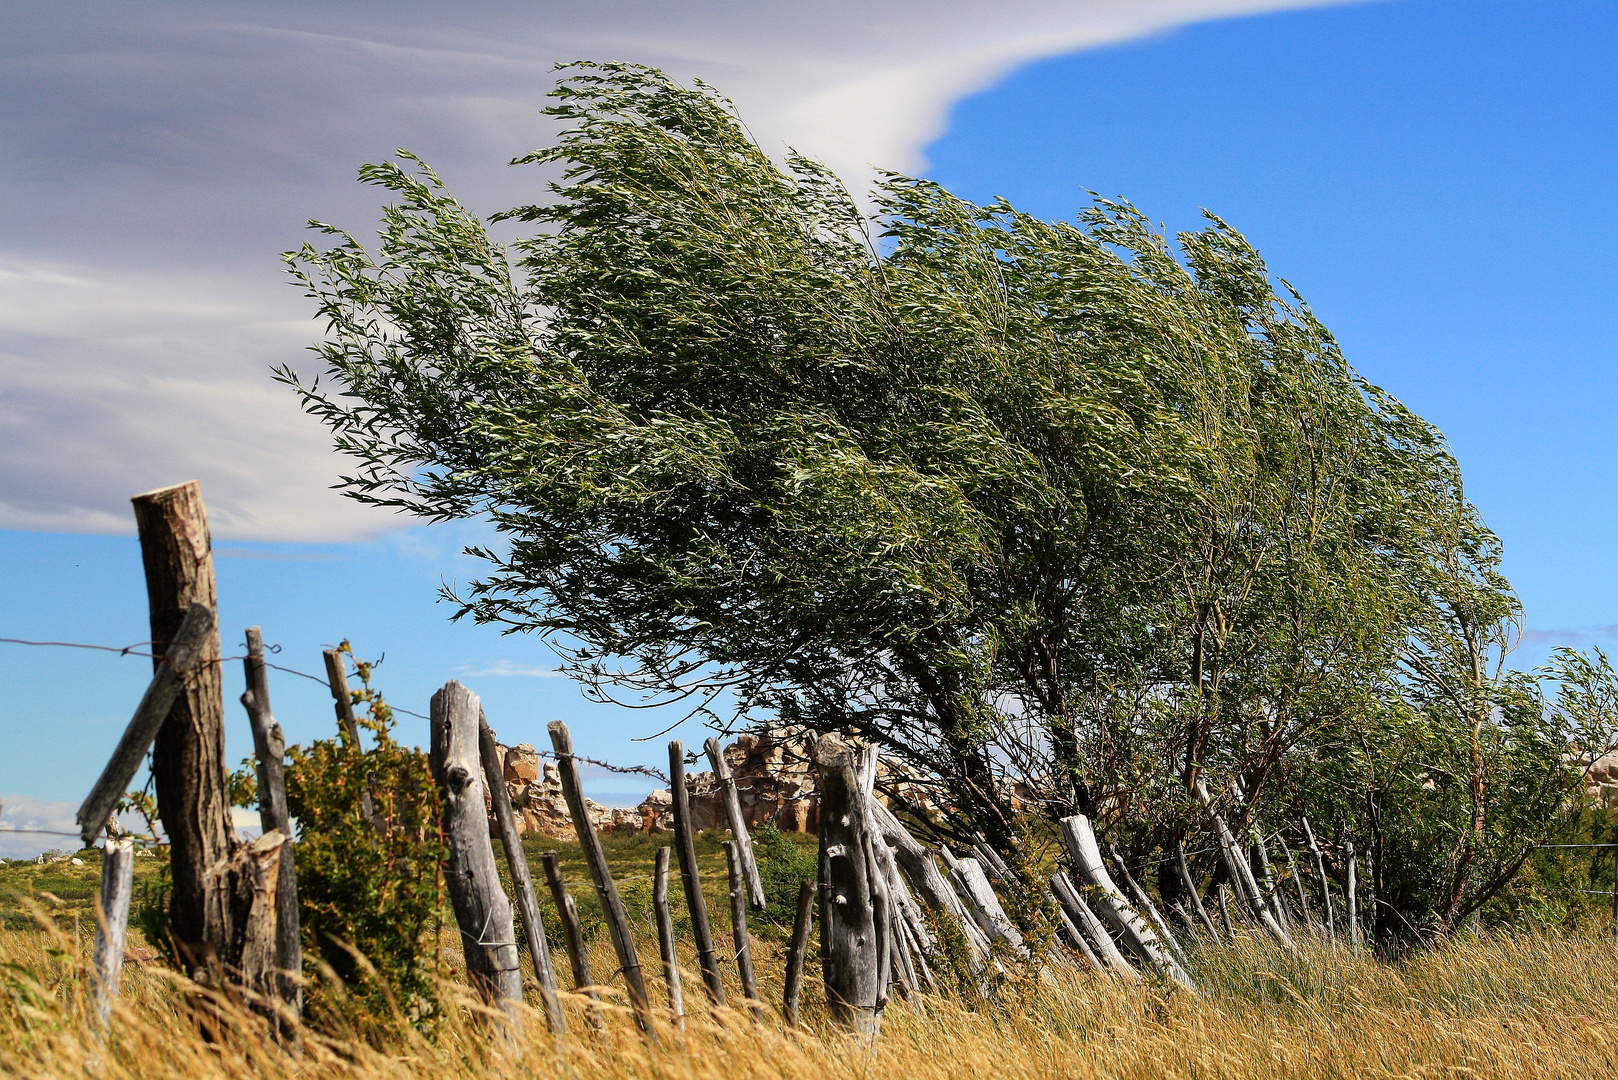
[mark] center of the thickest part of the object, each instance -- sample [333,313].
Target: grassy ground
[1520,1005]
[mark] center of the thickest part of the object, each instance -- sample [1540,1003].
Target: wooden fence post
[1297,882]
[738,824]
[1085,921]
[578,952]
[685,846]
[1325,889]
[798,950]
[1272,892]
[930,884]
[188,754]
[488,933]
[738,927]
[665,936]
[1191,887]
[1351,861]
[522,881]
[117,885]
[1236,868]
[342,698]
[623,941]
[1224,913]
[848,929]
[269,747]
[1136,933]
[1138,894]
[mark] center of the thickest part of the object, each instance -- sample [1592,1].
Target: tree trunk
[269,747]
[848,927]
[188,755]
[522,881]
[488,934]
[696,903]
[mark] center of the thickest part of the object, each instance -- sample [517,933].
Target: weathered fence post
[686,847]
[1272,893]
[1224,912]
[1086,922]
[1350,862]
[738,824]
[117,885]
[665,936]
[1191,887]
[188,754]
[978,896]
[1237,869]
[1325,888]
[799,948]
[848,930]
[578,955]
[1138,894]
[930,884]
[623,941]
[341,697]
[488,934]
[738,928]
[522,881]
[1136,933]
[1297,881]
[269,748]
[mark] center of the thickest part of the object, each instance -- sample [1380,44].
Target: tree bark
[623,942]
[696,903]
[522,881]
[848,928]
[488,934]
[269,747]
[188,755]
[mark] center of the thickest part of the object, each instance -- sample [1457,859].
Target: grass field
[1520,1005]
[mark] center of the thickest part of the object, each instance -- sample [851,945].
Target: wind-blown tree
[1011,497]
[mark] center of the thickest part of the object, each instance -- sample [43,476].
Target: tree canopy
[1060,502]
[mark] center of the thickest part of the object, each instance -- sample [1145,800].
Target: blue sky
[1437,179]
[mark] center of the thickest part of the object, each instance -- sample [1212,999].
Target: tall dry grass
[1523,1005]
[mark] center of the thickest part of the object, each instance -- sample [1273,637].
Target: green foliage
[785,861]
[369,885]
[1067,502]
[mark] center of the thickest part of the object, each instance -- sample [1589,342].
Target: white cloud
[507,667]
[154,160]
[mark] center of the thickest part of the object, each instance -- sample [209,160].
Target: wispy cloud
[1570,636]
[508,667]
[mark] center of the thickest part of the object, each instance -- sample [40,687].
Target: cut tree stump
[488,933]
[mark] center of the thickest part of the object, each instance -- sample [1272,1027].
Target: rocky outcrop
[1601,781]
[774,779]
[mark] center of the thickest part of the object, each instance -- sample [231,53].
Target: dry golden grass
[1512,1006]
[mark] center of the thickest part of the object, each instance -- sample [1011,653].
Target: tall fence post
[738,824]
[188,754]
[665,936]
[521,880]
[269,747]
[801,924]
[738,927]
[685,846]
[848,927]
[1325,887]
[578,953]
[1351,863]
[488,933]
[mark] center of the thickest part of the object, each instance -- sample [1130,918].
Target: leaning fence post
[798,950]
[522,881]
[1351,861]
[269,747]
[1191,887]
[1224,912]
[665,936]
[117,884]
[578,955]
[738,824]
[686,847]
[1297,882]
[1085,920]
[488,934]
[1325,889]
[738,927]
[1140,897]
[1137,934]
[623,942]
[848,928]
